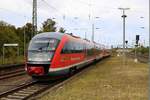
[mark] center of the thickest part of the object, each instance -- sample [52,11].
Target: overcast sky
[73,15]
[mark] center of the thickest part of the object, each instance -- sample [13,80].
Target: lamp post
[149,57]
[124,16]
[93,29]
[24,38]
[24,33]
[92,32]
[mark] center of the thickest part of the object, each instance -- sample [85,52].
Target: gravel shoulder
[106,80]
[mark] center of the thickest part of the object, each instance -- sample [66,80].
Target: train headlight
[29,59]
[48,59]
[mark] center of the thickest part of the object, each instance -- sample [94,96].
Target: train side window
[64,49]
[67,48]
[72,47]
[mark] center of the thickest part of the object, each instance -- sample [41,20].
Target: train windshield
[42,49]
[43,44]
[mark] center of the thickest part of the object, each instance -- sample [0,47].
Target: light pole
[92,32]
[24,33]
[149,56]
[24,36]
[99,35]
[124,16]
[93,29]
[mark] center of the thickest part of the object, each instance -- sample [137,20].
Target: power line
[14,12]
[52,7]
[85,3]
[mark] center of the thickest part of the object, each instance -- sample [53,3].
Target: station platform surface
[106,80]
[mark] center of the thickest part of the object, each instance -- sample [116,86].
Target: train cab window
[43,44]
[42,49]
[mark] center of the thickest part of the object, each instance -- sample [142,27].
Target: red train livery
[57,54]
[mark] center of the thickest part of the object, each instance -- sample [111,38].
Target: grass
[12,60]
[107,80]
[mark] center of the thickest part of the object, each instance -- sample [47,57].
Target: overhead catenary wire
[54,8]
[15,13]
[57,10]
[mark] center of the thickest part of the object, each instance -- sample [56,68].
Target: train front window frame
[43,44]
[42,49]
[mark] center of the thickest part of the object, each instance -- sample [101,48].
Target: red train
[56,54]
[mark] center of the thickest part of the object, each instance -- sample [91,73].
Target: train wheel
[34,78]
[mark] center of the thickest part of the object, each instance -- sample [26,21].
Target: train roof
[55,35]
[58,35]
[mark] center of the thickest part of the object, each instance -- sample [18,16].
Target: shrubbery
[8,35]
[142,50]
[11,34]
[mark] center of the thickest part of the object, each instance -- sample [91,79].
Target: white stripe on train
[67,67]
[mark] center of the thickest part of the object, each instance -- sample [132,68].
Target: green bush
[141,50]
[8,35]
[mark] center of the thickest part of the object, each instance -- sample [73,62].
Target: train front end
[40,54]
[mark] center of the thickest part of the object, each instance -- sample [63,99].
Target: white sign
[11,45]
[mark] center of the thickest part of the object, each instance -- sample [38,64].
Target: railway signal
[136,45]
[137,39]
[126,43]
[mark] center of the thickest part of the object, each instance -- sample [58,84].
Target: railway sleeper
[20,94]
[29,90]
[8,99]
[15,97]
[25,92]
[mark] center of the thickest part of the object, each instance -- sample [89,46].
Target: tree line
[11,34]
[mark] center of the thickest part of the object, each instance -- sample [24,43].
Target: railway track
[9,95]
[10,68]
[27,90]
[12,74]
[8,71]
[31,90]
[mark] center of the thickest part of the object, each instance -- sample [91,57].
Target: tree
[49,26]
[28,31]
[8,35]
[62,30]
[27,28]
